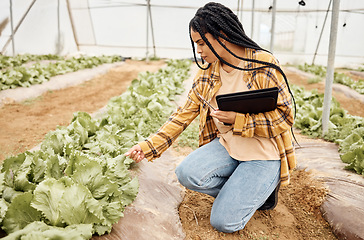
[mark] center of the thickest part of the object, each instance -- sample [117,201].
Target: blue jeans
[239,187]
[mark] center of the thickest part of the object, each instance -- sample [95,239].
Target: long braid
[207,19]
[194,54]
[225,62]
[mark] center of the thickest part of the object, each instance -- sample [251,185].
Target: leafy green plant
[344,129]
[314,80]
[25,76]
[315,69]
[347,81]
[342,78]
[18,60]
[78,183]
[189,137]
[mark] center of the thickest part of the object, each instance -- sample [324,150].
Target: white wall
[121,29]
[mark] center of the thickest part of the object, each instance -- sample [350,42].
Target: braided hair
[215,18]
[221,22]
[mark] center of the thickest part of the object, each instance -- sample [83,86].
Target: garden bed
[33,118]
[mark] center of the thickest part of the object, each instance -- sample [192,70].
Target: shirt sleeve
[272,123]
[159,142]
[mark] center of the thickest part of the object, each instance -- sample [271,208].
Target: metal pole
[72,25]
[241,11]
[17,26]
[91,21]
[253,9]
[147,37]
[12,27]
[151,28]
[330,66]
[274,9]
[58,49]
[322,30]
[237,9]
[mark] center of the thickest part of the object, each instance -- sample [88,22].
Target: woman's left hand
[224,116]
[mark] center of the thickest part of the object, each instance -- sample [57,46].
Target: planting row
[78,183]
[18,60]
[342,78]
[344,129]
[16,74]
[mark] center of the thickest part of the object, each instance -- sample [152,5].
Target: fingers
[224,116]
[139,157]
[135,153]
[218,114]
[215,113]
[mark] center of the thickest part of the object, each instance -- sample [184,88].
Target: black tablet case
[255,101]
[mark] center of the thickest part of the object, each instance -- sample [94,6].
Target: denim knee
[222,225]
[185,177]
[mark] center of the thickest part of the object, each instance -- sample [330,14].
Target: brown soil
[297,216]
[354,107]
[24,125]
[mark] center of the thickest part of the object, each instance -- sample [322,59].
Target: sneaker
[272,200]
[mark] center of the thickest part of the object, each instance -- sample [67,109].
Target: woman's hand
[135,153]
[224,116]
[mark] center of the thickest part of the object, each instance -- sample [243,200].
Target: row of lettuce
[26,70]
[320,73]
[78,183]
[344,129]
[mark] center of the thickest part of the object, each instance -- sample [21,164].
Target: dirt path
[24,125]
[297,216]
[353,106]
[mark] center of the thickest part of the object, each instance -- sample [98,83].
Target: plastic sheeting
[154,213]
[55,83]
[343,207]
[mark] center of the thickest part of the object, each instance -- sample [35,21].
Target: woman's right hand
[136,153]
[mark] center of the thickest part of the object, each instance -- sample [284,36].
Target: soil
[354,107]
[297,215]
[33,118]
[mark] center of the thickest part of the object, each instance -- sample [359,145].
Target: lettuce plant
[344,129]
[19,75]
[78,183]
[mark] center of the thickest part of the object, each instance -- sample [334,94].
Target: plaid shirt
[274,124]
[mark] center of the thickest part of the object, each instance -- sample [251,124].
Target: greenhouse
[113,123]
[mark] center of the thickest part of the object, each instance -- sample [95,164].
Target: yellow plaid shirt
[274,124]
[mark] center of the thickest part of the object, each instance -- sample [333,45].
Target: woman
[243,162]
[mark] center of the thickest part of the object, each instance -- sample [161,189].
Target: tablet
[254,101]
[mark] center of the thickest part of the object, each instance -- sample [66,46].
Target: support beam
[272,30]
[58,46]
[252,27]
[330,66]
[152,30]
[12,27]
[73,25]
[147,34]
[17,26]
[322,30]
[241,11]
